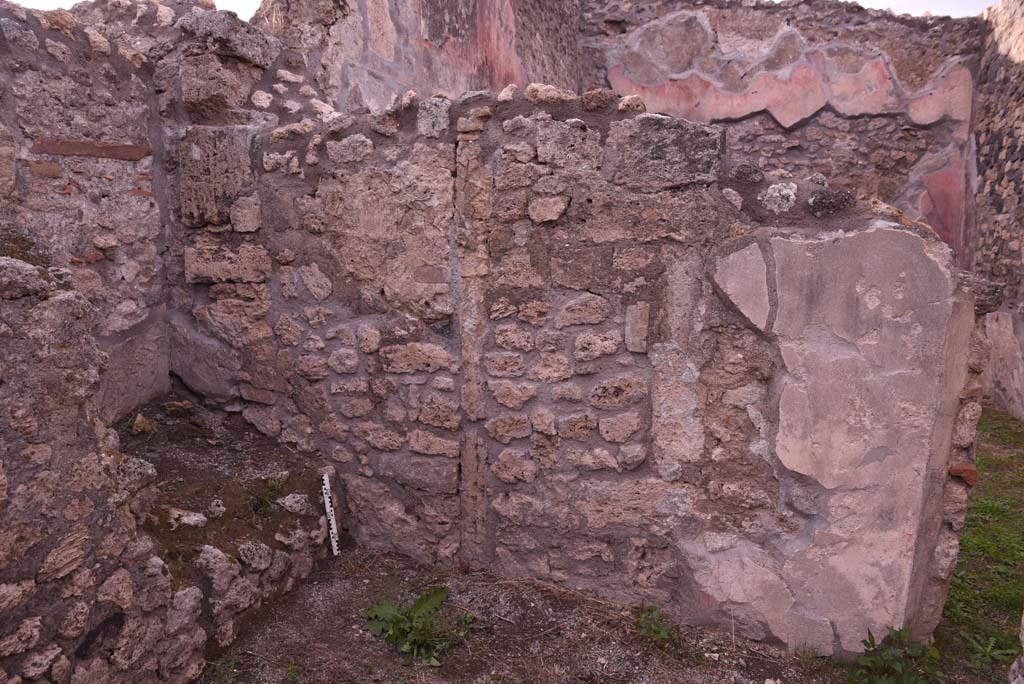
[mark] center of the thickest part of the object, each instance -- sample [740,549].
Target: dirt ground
[523,633]
[203,456]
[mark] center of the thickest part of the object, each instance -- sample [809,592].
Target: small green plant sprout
[897,660]
[416,632]
[293,674]
[263,501]
[652,626]
[985,652]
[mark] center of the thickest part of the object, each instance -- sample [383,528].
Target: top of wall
[364,53]
[916,46]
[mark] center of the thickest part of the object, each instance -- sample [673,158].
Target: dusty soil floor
[203,456]
[523,633]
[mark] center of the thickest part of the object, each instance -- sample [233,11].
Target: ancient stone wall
[81,591]
[85,595]
[80,186]
[553,335]
[882,105]
[488,313]
[1000,129]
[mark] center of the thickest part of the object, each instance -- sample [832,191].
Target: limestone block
[881,324]
[424,442]
[8,161]
[138,369]
[677,430]
[638,317]
[743,277]
[215,172]
[206,365]
[245,214]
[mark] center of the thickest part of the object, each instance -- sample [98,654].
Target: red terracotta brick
[86,148]
[966,472]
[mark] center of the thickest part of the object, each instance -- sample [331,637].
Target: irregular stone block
[512,395]
[504,364]
[577,426]
[590,346]
[508,427]
[547,209]
[213,263]
[25,637]
[619,391]
[654,152]
[209,91]
[229,36]
[586,309]
[423,442]
[343,361]
[514,465]
[551,368]
[620,427]
[433,119]
[378,436]
[511,337]
[8,163]
[415,357]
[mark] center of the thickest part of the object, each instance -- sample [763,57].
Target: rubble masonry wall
[553,335]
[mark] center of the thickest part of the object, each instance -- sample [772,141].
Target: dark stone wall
[880,104]
[999,131]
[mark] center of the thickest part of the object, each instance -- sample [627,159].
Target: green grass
[263,500]
[979,631]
